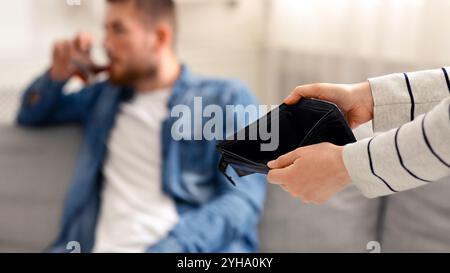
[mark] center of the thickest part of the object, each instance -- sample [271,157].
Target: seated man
[136,188]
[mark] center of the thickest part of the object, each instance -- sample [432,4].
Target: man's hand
[313,173]
[354,100]
[65,52]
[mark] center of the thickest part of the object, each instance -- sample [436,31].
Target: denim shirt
[214,215]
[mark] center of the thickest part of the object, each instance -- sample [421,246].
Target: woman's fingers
[284,160]
[318,91]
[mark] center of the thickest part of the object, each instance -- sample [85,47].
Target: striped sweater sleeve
[414,111]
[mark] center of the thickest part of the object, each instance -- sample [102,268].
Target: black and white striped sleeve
[399,98]
[418,151]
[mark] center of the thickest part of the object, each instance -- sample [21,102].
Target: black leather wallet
[308,122]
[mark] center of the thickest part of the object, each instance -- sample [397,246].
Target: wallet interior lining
[296,123]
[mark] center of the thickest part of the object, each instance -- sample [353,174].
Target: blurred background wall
[273,45]
[351,40]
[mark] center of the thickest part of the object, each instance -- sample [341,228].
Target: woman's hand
[314,173]
[354,100]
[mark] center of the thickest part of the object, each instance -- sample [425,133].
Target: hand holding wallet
[308,122]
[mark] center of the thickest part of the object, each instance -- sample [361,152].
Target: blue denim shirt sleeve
[51,106]
[234,211]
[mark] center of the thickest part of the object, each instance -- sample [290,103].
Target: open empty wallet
[308,122]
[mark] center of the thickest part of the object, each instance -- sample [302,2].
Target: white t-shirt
[135,213]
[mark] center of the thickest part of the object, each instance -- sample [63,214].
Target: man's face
[130,44]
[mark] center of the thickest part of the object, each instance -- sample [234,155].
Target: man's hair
[154,10]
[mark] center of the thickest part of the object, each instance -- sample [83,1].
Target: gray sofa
[36,166]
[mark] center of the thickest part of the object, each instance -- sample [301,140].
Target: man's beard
[131,76]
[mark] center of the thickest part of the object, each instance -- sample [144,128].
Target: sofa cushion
[418,220]
[344,224]
[36,167]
